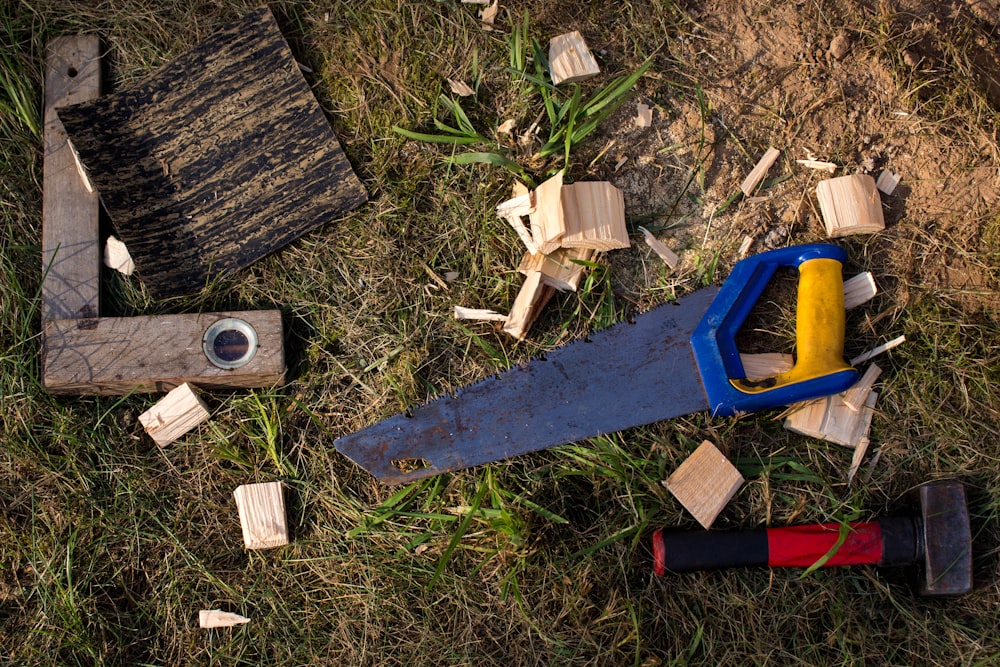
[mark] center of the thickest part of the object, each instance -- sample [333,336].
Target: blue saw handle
[819,332]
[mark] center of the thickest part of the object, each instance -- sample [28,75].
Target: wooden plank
[230,157]
[570,59]
[71,261]
[262,515]
[759,171]
[850,205]
[704,483]
[111,355]
[174,415]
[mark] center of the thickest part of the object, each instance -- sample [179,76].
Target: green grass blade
[436,138]
[460,532]
[494,159]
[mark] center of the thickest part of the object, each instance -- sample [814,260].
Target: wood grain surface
[120,355]
[215,160]
[71,262]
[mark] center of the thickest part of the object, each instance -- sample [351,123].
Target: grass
[109,545]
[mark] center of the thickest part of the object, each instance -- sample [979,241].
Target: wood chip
[758,173]
[548,222]
[875,351]
[644,115]
[704,483]
[819,165]
[216,618]
[831,420]
[621,163]
[506,127]
[850,205]
[570,59]
[859,289]
[262,515]
[460,88]
[887,182]
[534,294]
[174,415]
[856,397]
[668,256]
[116,256]
[745,247]
[489,14]
[561,269]
[462,313]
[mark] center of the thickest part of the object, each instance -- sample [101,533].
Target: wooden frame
[83,353]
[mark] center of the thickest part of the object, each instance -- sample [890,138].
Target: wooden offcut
[759,171]
[71,254]
[216,618]
[570,59]
[562,269]
[117,257]
[832,420]
[120,355]
[704,483]
[530,300]
[548,218]
[877,350]
[850,205]
[856,397]
[174,415]
[859,289]
[215,160]
[594,216]
[887,182]
[262,515]
[668,256]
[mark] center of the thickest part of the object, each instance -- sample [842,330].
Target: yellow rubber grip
[819,327]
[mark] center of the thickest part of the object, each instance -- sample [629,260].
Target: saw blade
[629,374]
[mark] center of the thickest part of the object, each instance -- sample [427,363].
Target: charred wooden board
[215,160]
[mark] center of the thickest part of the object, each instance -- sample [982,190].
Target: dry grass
[110,545]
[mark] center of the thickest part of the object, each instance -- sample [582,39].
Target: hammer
[940,539]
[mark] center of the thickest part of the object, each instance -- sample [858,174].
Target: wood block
[559,269]
[759,171]
[216,618]
[120,355]
[831,420]
[668,256]
[766,364]
[262,515]
[229,157]
[704,483]
[850,205]
[174,415]
[530,300]
[859,289]
[71,255]
[856,397]
[548,223]
[117,257]
[570,59]
[594,214]
[887,182]
[644,115]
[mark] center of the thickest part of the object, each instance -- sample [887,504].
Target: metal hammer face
[947,538]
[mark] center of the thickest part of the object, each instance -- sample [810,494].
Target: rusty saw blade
[630,374]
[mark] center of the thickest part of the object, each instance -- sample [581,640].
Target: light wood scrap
[766,364]
[71,259]
[560,269]
[859,289]
[460,88]
[887,182]
[489,14]
[534,294]
[704,483]
[745,246]
[216,618]
[481,314]
[570,59]
[819,165]
[855,397]
[668,256]
[644,115]
[830,419]
[512,210]
[262,514]
[174,415]
[548,223]
[506,127]
[594,216]
[116,256]
[850,205]
[757,174]
[875,351]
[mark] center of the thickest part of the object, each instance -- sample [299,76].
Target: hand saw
[673,360]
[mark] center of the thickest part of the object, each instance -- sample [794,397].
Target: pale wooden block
[117,257]
[757,174]
[850,205]
[594,214]
[548,224]
[831,420]
[704,483]
[766,364]
[875,351]
[857,395]
[216,618]
[570,59]
[859,289]
[262,514]
[174,415]
[559,269]
[887,182]
[534,294]
[668,256]
[643,115]
[462,313]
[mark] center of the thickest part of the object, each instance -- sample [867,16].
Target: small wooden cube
[594,216]
[850,205]
[704,483]
[174,415]
[262,515]
[570,59]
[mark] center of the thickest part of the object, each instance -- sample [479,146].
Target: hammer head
[947,539]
